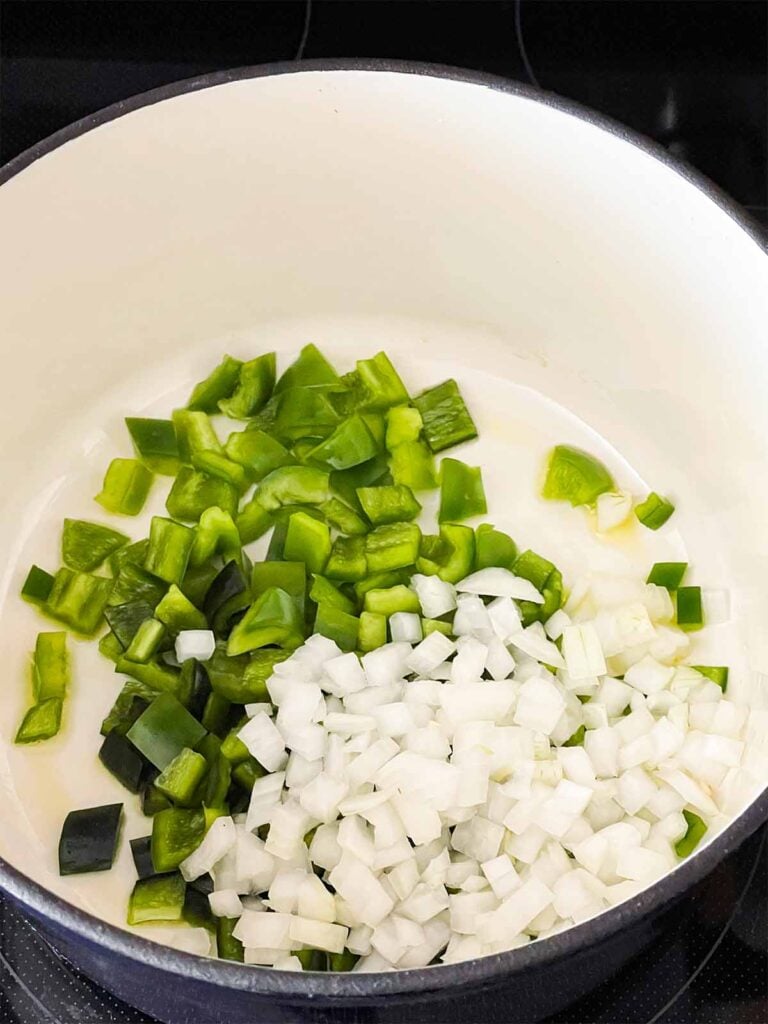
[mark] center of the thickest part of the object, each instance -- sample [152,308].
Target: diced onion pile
[469,794]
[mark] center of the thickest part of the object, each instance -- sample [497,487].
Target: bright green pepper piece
[227,946]
[348,559]
[125,619]
[392,546]
[232,747]
[271,619]
[51,666]
[164,729]
[84,546]
[445,416]
[667,574]
[193,492]
[395,599]
[175,834]
[217,782]
[294,485]
[126,485]
[690,612]
[413,464]
[324,591]
[377,425]
[216,533]
[177,612]
[404,424]
[390,504]
[304,412]
[254,388]
[372,631]
[158,898]
[337,625]
[110,646]
[343,518]
[257,452]
[493,548]
[344,482]
[134,553]
[461,491]
[219,466]
[654,511]
[308,541]
[717,673]
[458,563]
[132,701]
[696,831]
[41,722]
[216,712]
[146,641]
[37,586]
[382,383]
[303,448]
[170,546]
[575,476]
[162,678]
[181,776]
[134,583]
[194,433]
[253,521]
[342,961]
[219,384]
[533,567]
[380,581]
[436,626]
[289,576]
[310,369]
[350,444]
[78,600]
[247,772]
[577,739]
[155,444]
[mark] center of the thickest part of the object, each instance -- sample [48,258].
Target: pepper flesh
[158,898]
[78,599]
[654,511]
[181,776]
[350,444]
[289,576]
[575,476]
[413,464]
[176,832]
[458,563]
[177,612]
[394,599]
[41,722]
[690,612]
[337,625]
[216,533]
[717,673]
[372,631]
[125,619]
[392,546]
[304,412]
[307,540]
[255,384]
[348,559]
[381,381]
[146,641]
[257,452]
[696,831]
[193,492]
[667,574]
[343,518]
[388,504]
[127,483]
[164,730]
[216,465]
[493,548]
[252,521]
[37,586]
[51,666]
[461,491]
[446,419]
[88,840]
[170,545]
[155,444]
[404,424]
[323,590]
[294,485]
[219,384]
[309,369]
[271,619]
[194,433]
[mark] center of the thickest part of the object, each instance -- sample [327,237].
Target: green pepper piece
[342,961]
[307,540]
[89,839]
[343,518]
[324,591]
[170,546]
[78,600]
[337,625]
[377,424]
[289,576]
[37,586]
[134,583]
[304,412]
[218,466]
[193,492]
[177,612]
[690,612]
[654,511]
[667,574]
[413,465]
[155,444]
[577,739]
[294,485]
[126,485]
[552,592]
[247,772]
[312,959]
[133,553]
[216,713]
[717,673]
[216,534]
[227,595]
[233,748]
[404,424]
[159,898]
[51,666]
[347,560]
[493,548]
[254,388]
[253,686]
[395,599]
[390,504]
[697,829]
[219,384]
[382,383]
[253,521]
[164,729]
[350,444]
[461,491]
[303,449]
[125,619]
[132,701]
[153,801]
[575,476]
[227,946]
[462,554]
[271,619]
[372,631]
[344,482]
[110,646]
[41,722]
[181,776]
[436,626]
[162,678]
[194,434]
[392,546]
[445,416]
[257,452]
[533,567]
[146,641]
[309,369]
[380,581]
[121,759]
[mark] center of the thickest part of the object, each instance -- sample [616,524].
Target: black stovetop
[693,75]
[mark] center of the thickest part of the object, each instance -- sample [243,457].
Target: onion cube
[264,742]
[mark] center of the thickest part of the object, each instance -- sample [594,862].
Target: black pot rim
[360,988]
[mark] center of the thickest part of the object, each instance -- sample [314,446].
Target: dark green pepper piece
[89,839]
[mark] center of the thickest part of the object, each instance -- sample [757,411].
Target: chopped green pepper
[110,646]
[133,699]
[153,801]
[380,581]
[155,444]
[176,832]
[164,729]
[310,369]
[381,381]
[219,384]
[323,590]
[717,673]
[216,713]
[404,424]
[227,946]
[146,641]
[342,961]
[533,567]
[389,504]
[194,433]
[308,541]
[254,388]
[233,748]
[436,626]
[344,482]
[654,511]
[696,831]
[51,666]
[134,583]
[125,619]
[461,491]
[142,856]
[272,619]
[350,444]
[41,722]
[343,518]
[493,548]
[289,576]
[177,612]
[458,564]
[394,599]
[122,760]
[193,492]
[372,631]
[159,898]
[690,613]
[577,738]
[227,595]
[445,416]
[257,452]
[392,546]
[216,534]
[126,485]
[162,678]
[78,600]
[252,521]
[88,840]
[575,476]
[181,776]
[216,465]
[337,625]
[294,485]
[133,553]
[37,586]
[413,464]
[170,546]
[667,574]
[347,560]
[247,772]
[304,412]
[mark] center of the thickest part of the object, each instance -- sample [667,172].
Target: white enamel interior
[544,262]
